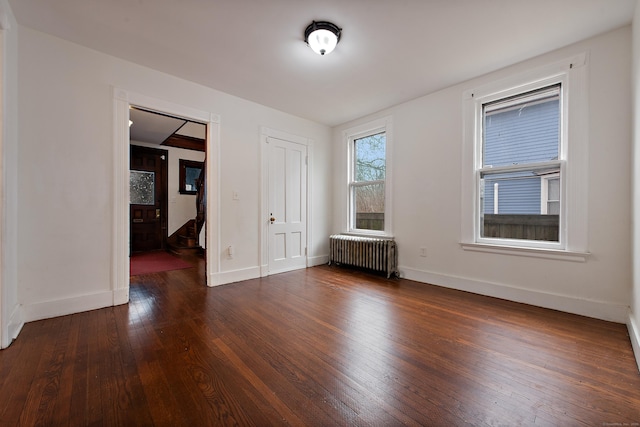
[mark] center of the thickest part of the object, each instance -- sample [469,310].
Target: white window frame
[544,192]
[571,74]
[350,136]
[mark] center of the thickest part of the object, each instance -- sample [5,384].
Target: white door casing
[122,100]
[285,202]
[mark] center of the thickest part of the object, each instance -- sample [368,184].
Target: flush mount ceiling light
[322,36]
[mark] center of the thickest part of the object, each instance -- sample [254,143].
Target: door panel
[287,205]
[148,201]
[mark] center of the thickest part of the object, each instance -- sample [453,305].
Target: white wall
[633,324]
[182,207]
[10,316]
[427,186]
[66,166]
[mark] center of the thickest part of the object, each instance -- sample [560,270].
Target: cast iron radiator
[367,252]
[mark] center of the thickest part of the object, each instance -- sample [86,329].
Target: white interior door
[287,205]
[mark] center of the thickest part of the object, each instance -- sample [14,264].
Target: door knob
[272,219]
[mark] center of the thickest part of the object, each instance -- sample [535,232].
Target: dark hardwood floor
[318,347]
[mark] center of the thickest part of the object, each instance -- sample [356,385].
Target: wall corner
[634,335]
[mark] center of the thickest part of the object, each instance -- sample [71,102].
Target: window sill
[527,252]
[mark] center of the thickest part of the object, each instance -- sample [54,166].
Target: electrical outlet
[423,252]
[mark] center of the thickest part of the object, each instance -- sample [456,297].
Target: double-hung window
[525,163]
[521,140]
[368,178]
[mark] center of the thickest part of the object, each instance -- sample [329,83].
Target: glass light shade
[322,41]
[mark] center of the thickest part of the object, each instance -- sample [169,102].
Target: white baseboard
[634,335]
[14,326]
[311,262]
[225,277]
[590,308]
[317,260]
[62,307]
[16,322]
[121,296]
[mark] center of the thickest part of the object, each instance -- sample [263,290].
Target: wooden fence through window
[528,227]
[370,220]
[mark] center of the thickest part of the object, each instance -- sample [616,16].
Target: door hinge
[306,160]
[305,251]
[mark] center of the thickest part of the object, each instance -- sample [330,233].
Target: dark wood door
[148,204]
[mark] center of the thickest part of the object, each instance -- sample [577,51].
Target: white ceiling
[152,128]
[147,126]
[391,50]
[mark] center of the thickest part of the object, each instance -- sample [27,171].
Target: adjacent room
[416,212]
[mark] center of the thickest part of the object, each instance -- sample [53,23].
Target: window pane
[370,158]
[510,207]
[511,193]
[142,187]
[369,207]
[191,178]
[554,189]
[523,129]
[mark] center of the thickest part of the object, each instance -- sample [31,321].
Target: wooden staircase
[185,239]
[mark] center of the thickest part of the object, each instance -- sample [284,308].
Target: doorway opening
[167,187]
[126,105]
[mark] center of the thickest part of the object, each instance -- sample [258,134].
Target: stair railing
[201,199]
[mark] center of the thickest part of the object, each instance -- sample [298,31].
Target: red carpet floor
[154,262]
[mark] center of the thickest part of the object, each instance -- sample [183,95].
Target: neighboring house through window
[368,149]
[550,194]
[520,147]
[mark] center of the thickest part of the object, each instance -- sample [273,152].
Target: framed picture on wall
[189,173]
